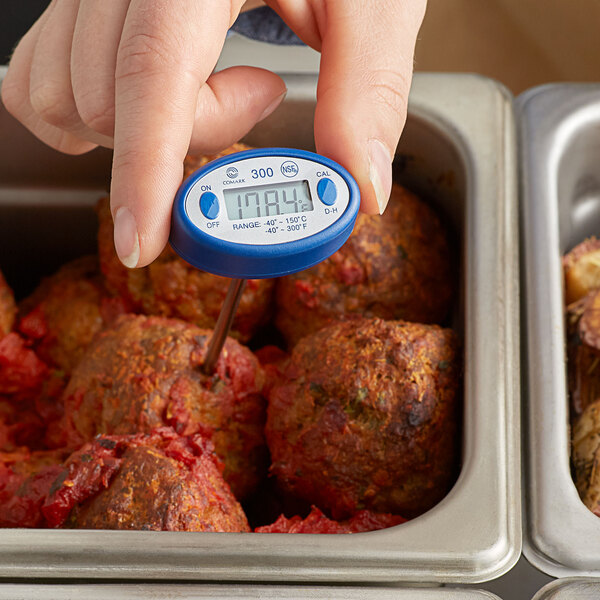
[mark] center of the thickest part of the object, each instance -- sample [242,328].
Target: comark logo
[232,172]
[289,168]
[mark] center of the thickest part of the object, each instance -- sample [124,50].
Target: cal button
[209,205]
[327,191]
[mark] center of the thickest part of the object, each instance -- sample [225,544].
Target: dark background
[16,18]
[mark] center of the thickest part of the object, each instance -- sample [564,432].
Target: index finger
[164,56]
[364,81]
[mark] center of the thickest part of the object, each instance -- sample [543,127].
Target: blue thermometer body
[264,213]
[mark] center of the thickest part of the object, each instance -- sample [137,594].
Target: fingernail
[380,172]
[272,106]
[127,243]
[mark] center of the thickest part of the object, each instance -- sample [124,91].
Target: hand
[367,49]
[136,75]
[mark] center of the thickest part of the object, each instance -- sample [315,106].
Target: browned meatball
[171,287]
[65,312]
[158,482]
[144,372]
[394,266]
[8,308]
[365,417]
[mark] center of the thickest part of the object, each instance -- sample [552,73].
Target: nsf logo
[232,172]
[289,168]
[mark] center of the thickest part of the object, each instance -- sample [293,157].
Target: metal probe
[223,325]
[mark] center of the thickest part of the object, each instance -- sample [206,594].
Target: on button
[327,191]
[209,205]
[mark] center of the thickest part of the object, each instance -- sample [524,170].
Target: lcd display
[268,200]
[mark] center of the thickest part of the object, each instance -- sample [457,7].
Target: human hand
[136,76]
[367,50]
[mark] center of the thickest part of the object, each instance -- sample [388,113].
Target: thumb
[364,81]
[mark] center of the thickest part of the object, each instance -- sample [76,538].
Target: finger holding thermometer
[259,214]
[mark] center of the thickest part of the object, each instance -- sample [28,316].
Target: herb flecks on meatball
[365,416]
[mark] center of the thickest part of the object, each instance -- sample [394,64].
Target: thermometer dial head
[263,213]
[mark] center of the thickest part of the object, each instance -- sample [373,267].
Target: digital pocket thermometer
[261,213]
[264,213]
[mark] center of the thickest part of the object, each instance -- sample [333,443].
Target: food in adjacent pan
[582,289]
[586,456]
[582,270]
[583,349]
[107,421]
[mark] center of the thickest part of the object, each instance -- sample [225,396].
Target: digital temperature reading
[268,200]
[263,212]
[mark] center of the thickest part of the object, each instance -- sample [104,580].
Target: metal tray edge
[552,550]
[495,556]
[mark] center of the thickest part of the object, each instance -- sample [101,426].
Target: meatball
[7,439]
[22,373]
[582,270]
[21,426]
[317,522]
[25,481]
[394,266]
[583,351]
[171,287]
[272,360]
[159,481]
[30,403]
[65,312]
[144,372]
[365,417]
[8,308]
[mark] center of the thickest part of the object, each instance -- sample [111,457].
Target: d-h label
[330,211]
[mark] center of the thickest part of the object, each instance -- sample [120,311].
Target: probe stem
[223,325]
